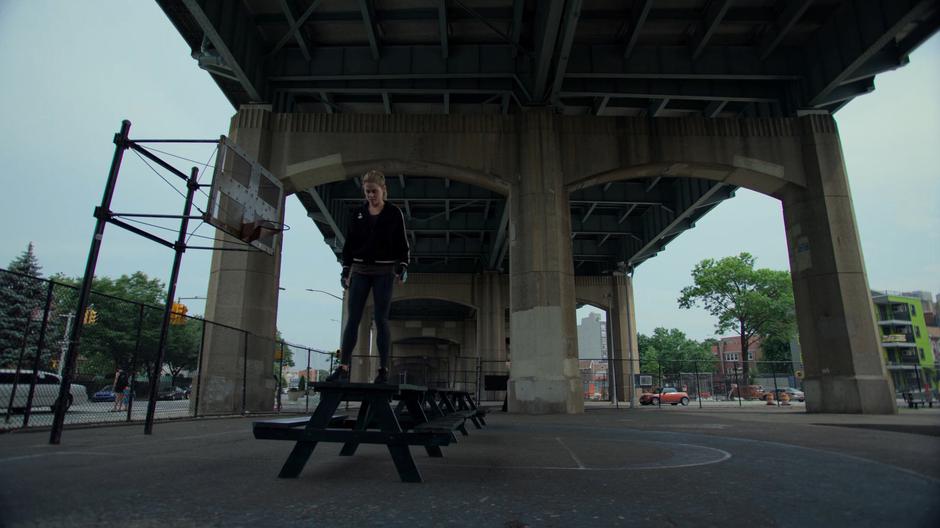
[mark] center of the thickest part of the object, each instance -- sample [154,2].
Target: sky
[67,86]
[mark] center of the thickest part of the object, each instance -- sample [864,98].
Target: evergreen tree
[19,296]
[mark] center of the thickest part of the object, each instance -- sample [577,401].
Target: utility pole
[65,341]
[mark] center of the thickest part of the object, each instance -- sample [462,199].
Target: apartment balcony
[897,320]
[898,340]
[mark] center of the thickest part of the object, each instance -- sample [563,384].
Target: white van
[47,390]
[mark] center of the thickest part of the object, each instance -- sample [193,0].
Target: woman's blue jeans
[359,287]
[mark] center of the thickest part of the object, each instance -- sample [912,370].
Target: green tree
[19,296]
[671,352]
[288,353]
[752,302]
[182,346]
[112,341]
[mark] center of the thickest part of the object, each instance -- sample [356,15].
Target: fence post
[130,400]
[738,385]
[37,360]
[202,342]
[773,368]
[19,361]
[280,374]
[245,373]
[698,385]
[659,400]
[307,385]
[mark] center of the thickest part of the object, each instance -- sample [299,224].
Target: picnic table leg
[303,449]
[473,407]
[401,455]
[435,408]
[415,410]
[362,423]
[449,406]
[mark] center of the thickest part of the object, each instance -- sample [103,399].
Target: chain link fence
[36,316]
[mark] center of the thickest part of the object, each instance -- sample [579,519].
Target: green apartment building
[905,341]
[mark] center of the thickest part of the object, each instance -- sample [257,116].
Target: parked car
[795,394]
[668,395]
[46,394]
[748,392]
[106,394]
[173,393]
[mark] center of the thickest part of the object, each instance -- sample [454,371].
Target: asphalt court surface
[643,467]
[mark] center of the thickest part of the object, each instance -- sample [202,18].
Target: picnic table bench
[456,401]
[376,423]
[917,399]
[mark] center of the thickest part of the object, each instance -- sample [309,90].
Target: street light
[178,299]
[326,292]
[337,297]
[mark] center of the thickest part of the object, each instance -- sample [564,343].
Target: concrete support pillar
[844,368]
[242,293]
[491,328]
[624,353]
[544,376]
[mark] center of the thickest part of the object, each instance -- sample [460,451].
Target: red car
[667,395]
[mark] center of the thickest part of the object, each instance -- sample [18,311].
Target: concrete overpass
[543,150]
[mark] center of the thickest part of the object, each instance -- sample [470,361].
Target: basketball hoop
[252,231]
[245,200]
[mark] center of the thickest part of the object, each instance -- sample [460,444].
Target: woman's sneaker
[382,377]
[340,375]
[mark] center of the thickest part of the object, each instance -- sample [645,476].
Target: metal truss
[715,58]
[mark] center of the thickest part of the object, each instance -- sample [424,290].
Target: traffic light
[178,314]
[91,316]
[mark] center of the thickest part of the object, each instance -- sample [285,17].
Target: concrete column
[491,328]
[622,316]
[844,368]
[544,376]
[242,293]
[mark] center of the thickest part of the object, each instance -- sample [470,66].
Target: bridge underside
[543,150]
[759,58]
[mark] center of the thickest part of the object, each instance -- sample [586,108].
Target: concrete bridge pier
[242,293]
[624,352]
[544,377]
[844,368]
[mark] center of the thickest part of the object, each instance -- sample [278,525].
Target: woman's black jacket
[380,242]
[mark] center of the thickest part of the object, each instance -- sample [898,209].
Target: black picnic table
[376,423]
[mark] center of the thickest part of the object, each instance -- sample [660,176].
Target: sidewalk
[673,466]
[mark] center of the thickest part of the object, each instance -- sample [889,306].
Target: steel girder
[572,54]
[714,57]
[454,226]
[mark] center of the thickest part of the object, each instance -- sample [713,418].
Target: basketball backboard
[245,199]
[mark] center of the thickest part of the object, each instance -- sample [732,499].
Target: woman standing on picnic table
[375,256]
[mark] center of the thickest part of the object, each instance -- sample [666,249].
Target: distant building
[592,337]
[594,379]
[910,357]
[728,353]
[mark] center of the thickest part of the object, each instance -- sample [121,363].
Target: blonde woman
[375,255]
